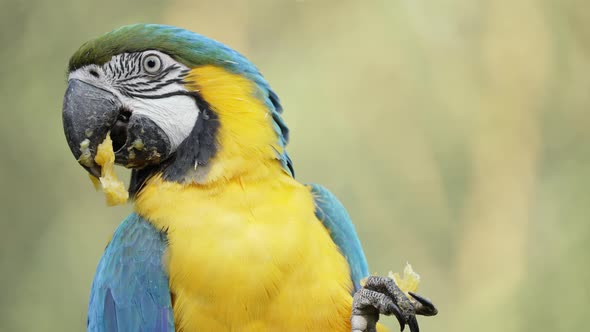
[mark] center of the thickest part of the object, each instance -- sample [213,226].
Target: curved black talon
[413,323]
[424,307]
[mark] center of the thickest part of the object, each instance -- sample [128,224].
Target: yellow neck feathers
[247,142]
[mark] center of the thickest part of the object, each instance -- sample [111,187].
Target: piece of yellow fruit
[409,282]
[113,188]
[95,182]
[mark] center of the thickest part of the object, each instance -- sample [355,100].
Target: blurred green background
[455,132]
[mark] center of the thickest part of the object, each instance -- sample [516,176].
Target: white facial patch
[159,95]
[175,115]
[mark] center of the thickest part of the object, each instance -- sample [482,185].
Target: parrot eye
[152,64]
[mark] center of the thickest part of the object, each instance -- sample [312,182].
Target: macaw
[222,238]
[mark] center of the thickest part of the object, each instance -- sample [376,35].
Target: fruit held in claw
[409,282]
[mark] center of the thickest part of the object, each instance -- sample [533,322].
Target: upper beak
[89,112]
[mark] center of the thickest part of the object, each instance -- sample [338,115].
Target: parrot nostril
[119,130]
[94,73]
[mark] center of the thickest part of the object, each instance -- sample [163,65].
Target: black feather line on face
[131,90]
[197,149]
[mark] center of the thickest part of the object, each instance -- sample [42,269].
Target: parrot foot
[380,295]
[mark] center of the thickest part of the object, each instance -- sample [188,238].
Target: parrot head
[175,103]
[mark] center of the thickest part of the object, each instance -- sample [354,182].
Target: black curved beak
[89,112]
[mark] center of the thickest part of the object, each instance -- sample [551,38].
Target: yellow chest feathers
[249,257]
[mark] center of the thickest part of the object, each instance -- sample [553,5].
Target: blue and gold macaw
[223,238]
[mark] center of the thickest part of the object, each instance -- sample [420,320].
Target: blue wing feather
[333,215]
[130,290]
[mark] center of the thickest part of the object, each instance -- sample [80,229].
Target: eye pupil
[152,64]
